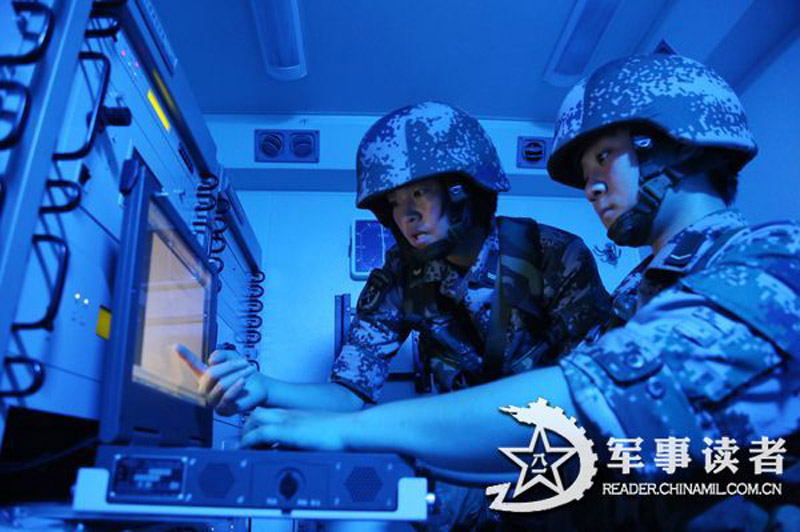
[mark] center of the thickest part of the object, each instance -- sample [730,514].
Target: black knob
[289,485]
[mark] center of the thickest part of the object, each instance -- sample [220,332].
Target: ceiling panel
[366,57]
[371,56]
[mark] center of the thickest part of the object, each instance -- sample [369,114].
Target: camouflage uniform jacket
[455,321]
[702,344]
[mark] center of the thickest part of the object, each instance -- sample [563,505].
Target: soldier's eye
[602,156]
[419,192]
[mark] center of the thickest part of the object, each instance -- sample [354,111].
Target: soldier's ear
[457,193]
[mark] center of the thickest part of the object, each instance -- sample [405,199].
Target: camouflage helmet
[424,140]
[678,96]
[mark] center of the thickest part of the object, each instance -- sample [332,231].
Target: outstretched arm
[231,384]
[458,430]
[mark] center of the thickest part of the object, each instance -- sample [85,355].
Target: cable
[253,308]
[32,464]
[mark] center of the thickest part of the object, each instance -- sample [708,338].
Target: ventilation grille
[287,146]
[532,152]
[363,484]
[216,480]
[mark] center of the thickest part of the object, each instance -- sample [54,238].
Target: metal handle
[38,377]
[18,117]
[74,198]
[87,145]
[108,4]
[107,9]
[46,322]
[110,31]
[43,37]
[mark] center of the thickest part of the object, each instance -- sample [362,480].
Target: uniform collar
[687,247]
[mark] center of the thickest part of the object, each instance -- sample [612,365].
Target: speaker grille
[363,484]
[216,480]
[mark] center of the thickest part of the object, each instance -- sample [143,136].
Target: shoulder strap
[757,283]
[715,248]
[417,295]
[520,262]
[519,276]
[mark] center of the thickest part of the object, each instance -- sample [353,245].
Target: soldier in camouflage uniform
[552,294]
[552,291]
[705,336]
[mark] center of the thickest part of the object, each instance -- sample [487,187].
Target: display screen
[173,309]
[369,243]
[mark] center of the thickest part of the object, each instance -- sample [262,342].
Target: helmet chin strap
[634,227]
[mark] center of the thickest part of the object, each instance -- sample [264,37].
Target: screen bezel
[132,412]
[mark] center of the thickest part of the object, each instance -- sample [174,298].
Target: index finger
[193,361]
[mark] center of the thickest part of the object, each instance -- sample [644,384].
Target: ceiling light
[587,24]
[279,36]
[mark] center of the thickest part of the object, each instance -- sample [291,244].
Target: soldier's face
[418,211]
[611,175]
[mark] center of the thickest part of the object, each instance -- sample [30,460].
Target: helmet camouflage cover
[678,96]
[425,140]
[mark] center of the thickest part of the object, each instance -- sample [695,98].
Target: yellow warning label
[104,323]
[159,111]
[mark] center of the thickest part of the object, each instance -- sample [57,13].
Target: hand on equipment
[230,382]
[312,430]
